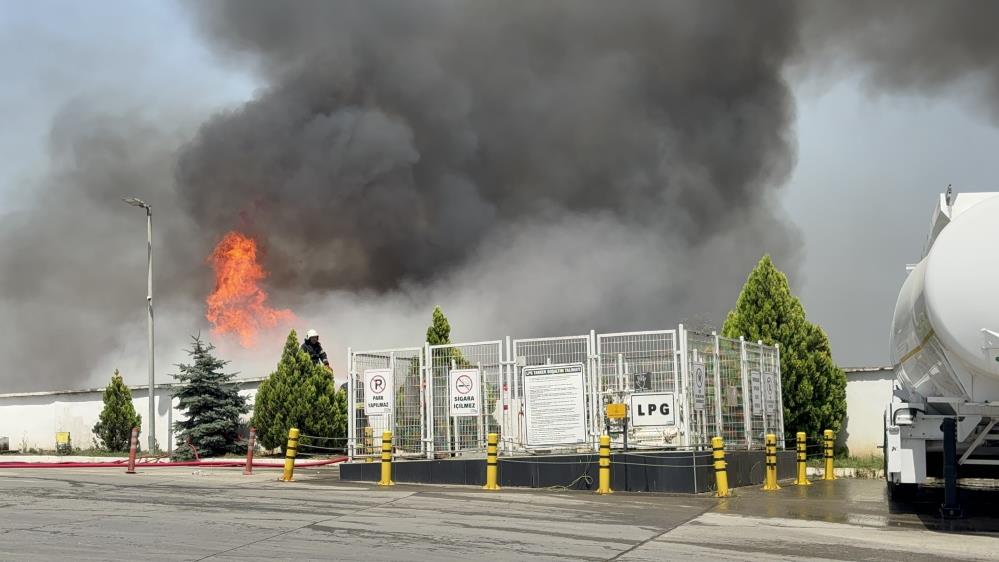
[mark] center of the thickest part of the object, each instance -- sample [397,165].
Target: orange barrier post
[250,444]
[131,451]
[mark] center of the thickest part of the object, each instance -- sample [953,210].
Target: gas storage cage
[680,388]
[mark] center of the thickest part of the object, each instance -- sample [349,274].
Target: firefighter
[312,346]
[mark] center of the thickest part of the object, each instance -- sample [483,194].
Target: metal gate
[551,351]
[644,362]
[408,422]
[467,433]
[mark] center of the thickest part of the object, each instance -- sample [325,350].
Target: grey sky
[868,170]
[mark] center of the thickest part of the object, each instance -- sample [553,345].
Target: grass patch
[870,462]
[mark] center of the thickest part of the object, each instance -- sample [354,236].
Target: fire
[238,305]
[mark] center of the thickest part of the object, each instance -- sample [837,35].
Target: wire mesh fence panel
[642,362]
[703,391]
[549,351]
[453,369]
[733,397]
[405,419]
[757,393]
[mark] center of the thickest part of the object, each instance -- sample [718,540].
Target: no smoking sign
[464,395]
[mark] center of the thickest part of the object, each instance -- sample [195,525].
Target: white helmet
[311,334]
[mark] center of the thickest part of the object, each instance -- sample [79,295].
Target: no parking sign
[379,392]
[464,392]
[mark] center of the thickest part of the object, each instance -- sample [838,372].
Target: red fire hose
[122,463]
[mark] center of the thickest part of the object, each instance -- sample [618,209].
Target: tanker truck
[942,423]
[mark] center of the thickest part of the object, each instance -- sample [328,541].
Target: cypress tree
[300,393]
[113,430]
[211,404]
[813,388]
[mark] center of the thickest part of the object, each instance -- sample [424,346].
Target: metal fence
[680,387]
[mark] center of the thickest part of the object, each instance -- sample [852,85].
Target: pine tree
[211,404]
[300,394]
[439,331]
[113,431]
[813,388]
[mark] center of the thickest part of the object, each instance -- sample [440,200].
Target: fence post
[604,476]
[386,460]
[829,439]
[250,444]
[721,472]
[289,455]
[719,420]
[491,463]
[771,477]
[747,402]
[802,446]
[133,444]
[351,408]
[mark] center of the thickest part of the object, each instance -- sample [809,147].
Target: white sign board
[770,392]
[379,392]
[653,408]
[756,392]
[699,383]
[465,398]
[554,408]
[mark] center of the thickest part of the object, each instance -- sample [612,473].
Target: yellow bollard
[604,476]
[289,455]
[491,462]
[386,460]
[829,437]
[721,474]
[802,444]
[771,475]
[369,442]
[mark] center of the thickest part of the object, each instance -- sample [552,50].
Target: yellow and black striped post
[289,455]
[721,469]
[386,460]
[771,476]
[604,476]
[491,462]
[369,444]
[802,446]
[829,439]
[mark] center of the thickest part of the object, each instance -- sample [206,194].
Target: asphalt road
[218,514]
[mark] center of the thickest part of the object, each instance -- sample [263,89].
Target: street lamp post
[149,305]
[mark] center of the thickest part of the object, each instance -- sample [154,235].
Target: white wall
[31,419]
[868,391]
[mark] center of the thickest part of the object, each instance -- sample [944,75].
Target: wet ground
[218,514]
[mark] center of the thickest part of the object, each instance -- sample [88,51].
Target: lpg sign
[653,409]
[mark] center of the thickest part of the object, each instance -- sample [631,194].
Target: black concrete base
[680,472]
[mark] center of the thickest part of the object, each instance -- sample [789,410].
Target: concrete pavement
[218,514]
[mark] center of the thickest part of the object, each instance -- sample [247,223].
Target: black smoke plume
[536,168]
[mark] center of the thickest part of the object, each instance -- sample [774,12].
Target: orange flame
[238,305]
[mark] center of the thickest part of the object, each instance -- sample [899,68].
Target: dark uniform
[315,351]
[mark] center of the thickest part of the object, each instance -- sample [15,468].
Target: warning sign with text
[700,382]
[465,396]
[770,392]
[756,392]
[379,392]
[555,410]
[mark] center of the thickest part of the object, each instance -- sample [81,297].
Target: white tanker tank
[945,350]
